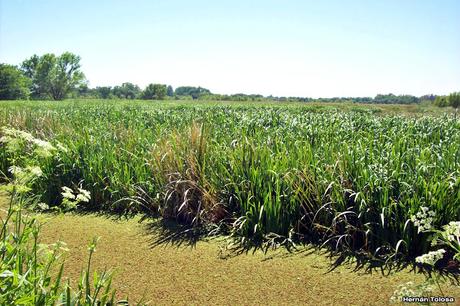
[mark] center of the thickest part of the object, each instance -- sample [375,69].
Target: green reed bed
[349,180]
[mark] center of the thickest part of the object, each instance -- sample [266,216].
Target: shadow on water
[161,232]
[164,232]
[168,232]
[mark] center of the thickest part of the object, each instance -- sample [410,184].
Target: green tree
[83,91]
[159,91]
[170,91]
[127,91]
[54,76]
[454,100]
[441,101]
[154,92]
[194,92]
[13,83]
[393,99]
[103,92]
[148,92]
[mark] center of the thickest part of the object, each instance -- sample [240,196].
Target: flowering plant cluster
[449,236]
[431,258]
[26,154]
[71,198]
[16,141]
[423,220]
[410,289]
[452,231]
[23,178]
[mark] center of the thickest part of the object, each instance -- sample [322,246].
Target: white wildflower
[35,171]
[43,206]
[67,193]
[423,219]
[83,197]
[67,189]
[410,289]
[452,231]
[431,258]
[45,145]
[23,135]
[15,170]
[85,193]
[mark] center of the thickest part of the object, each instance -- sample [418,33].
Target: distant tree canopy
[13,83]
[441,101]
[57,77]
[429,98]
[154,92]
[454,100]
[194,92]
[104,92]
[127,91]
[53,76]
[170,91]
[393,99]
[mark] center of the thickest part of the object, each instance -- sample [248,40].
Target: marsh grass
[265,174]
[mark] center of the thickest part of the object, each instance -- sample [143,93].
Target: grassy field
[198,274]
[384,109]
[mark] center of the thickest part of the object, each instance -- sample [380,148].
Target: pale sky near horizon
[284,48]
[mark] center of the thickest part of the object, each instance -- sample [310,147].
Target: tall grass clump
[349,181]
[186,192]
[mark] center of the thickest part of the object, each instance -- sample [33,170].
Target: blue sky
[285,48]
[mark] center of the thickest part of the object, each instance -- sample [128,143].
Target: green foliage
[127,91]
[13,83]
[104,92]
[346,180]
[170,91]
[393,99]
[154,92]
[441,101]
[31,273]
[194,92]
[448,237]
[53,76]
[454,99]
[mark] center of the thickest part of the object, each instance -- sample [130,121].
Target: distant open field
[402,109]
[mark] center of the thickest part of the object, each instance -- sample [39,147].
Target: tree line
[59,77]
[452,100]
